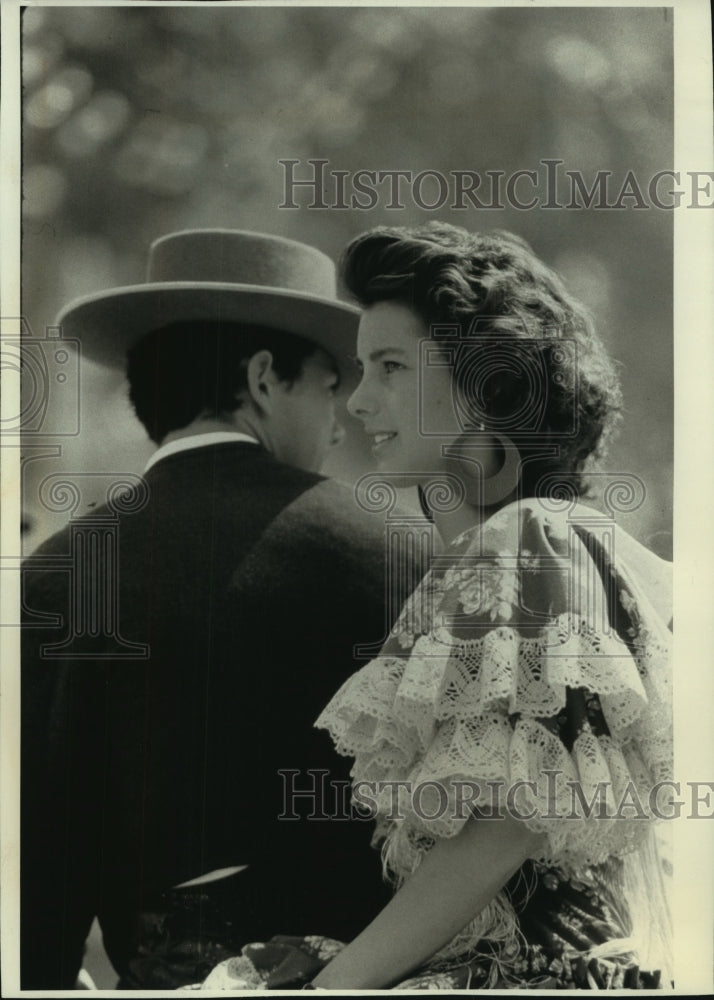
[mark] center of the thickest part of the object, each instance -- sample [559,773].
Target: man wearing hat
[148,781]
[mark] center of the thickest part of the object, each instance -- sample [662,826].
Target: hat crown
[236,257]
[222,275]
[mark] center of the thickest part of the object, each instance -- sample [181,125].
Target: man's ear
[262,380]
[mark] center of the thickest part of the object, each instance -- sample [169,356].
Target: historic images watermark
[313,184]
[47,369]
[313,796]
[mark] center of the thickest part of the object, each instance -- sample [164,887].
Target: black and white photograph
[356,455]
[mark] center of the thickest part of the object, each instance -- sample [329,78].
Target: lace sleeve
[529,672]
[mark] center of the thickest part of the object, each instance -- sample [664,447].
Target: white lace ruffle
[484,710]
[505,686]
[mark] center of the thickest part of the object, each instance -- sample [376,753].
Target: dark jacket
[154,754]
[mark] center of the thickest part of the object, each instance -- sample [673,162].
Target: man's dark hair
[492,287]
[199,368]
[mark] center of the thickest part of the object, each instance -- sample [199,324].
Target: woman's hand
[454,882]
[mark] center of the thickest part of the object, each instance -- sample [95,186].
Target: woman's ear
[261,379]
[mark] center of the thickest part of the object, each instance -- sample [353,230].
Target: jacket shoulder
[325,521]
[332,505]
[324,539]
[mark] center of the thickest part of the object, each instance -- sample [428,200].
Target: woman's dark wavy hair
[527,359]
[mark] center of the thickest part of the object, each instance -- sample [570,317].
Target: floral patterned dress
[530,671]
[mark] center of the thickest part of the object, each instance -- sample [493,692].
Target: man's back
[250,582]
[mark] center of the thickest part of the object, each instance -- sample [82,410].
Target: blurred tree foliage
[143,120]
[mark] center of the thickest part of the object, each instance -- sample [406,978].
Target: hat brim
[106,324]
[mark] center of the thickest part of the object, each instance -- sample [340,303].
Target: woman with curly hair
[514,734]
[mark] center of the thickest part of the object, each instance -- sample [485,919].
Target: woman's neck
[450,525]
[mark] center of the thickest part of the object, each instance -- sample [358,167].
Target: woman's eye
[392,366]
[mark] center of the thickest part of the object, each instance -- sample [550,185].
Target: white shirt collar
[197,441]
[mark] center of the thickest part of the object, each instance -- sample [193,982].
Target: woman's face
[400,400]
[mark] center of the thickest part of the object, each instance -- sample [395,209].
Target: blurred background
[143,120]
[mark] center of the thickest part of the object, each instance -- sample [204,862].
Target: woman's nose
[358,404]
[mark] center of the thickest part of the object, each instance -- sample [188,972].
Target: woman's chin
[400,475]
[390,464]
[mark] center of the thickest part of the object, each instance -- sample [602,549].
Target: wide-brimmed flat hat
[221,275]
